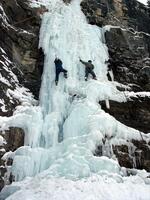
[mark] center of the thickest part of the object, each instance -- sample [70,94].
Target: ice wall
[61,134]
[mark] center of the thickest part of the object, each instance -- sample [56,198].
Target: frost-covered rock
[129,52]
[21,64]
[134,113]
[19,49]
[117,13]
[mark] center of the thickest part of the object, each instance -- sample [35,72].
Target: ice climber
[59,69]
[88,69]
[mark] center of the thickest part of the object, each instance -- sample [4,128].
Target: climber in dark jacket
[88,69]
[59,69]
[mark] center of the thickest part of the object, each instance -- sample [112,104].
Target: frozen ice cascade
[63,130]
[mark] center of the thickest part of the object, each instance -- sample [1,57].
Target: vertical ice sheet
[77,121]
[65,33]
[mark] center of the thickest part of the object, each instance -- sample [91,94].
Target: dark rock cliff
[21,65]
[19,30]
[128,41]
[121,13]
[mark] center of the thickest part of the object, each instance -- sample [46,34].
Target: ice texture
[63,131]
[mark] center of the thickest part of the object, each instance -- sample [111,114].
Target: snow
[63,131]
[15,90]
[3,17]
[93,188]
[2,150]
[2,141]
[37,4]
[143,1]
[134,32]
[2,105]
[4,80]
[6,66]
[26,32]
[137,94]
[2,50]
[22,94]
[7,155]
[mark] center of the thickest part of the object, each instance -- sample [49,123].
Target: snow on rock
[16,45]
[3,16]
[39,3]
[11,90]
[2,141]
[7,155]
[143,1]
[137,94]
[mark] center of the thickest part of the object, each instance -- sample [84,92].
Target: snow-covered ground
[63,131]
[94,188]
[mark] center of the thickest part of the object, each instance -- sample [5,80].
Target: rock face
[12,139]
[134,113]
[135,154]
[21,66]
[95,11]
[19,54]
[128,42]
[121,13]
[129,52]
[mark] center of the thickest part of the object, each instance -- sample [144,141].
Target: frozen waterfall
[63,131]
